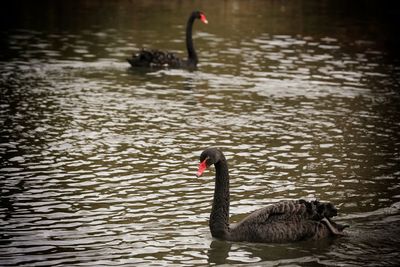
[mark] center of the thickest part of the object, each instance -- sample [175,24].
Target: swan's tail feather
[319,210]
[335,228]
[323,212]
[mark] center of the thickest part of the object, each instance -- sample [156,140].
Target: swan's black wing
[287,221]
[155,59]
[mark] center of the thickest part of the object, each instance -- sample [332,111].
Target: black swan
[158,59]
[285,221]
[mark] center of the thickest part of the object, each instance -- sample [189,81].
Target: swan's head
[209,157]
[201,16]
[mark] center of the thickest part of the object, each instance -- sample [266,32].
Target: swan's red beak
[203,19]
[202,168]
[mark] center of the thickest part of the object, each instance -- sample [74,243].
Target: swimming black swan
[157,59]
[285,221]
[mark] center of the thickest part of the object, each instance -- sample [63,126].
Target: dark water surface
[98,161]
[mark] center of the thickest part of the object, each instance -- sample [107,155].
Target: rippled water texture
[98,160]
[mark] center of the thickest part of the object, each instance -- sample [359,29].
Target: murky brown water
[98,160]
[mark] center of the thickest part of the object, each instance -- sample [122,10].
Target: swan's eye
[203,18]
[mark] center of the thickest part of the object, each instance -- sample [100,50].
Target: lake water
[98,160]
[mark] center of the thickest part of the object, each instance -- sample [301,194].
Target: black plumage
[161,59]
[285,221]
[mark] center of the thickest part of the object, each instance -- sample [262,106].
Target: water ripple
[98,161]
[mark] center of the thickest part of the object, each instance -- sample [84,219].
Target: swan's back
[155,59]
[287,221]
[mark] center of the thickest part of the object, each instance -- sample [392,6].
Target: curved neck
[219,218]
[192,56]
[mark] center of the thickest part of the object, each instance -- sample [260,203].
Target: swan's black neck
[192,56]
[219,219]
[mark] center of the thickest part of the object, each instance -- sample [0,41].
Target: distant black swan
[158,59]
[285,221]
